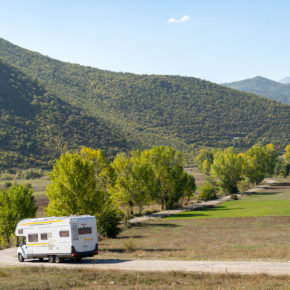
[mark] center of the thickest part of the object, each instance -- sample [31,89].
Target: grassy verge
[55,278]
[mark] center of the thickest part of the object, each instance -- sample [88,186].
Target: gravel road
[8,258]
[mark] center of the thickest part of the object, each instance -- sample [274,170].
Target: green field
[274,201]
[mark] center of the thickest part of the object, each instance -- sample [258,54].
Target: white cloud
[182,19]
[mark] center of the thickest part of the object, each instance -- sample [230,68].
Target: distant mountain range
[278,91]
[285,80]
[49,106]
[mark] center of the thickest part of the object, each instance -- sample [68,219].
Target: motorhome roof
[47,219]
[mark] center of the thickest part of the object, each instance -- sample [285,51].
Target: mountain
[285,80]
[36,126]
[263,87]
[183,112]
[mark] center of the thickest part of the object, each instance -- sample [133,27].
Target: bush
[234,197]
[207,191]
[244,185]
[8,184]
[32,173]
[7,176]
[285,169]
[29,185]
[108,221]
[129,246]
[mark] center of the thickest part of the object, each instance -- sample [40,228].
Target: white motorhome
[57,238]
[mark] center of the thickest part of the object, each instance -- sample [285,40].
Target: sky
[216,40]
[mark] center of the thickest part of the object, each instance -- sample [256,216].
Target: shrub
[234,197]
[207,191]
[244,185]
[8,184]
[285,169]
[108,221]
[7,176]
[32,173]
[129,245]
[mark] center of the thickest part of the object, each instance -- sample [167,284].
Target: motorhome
[57,238]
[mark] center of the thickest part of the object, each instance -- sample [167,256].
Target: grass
[38,184]
[56,278]
[237,230]
[248,238]
[240,208]
[273,201]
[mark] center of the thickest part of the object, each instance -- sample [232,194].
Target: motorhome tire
[77,259]
[57,259]
[40,259]
[51,259]
[20,258]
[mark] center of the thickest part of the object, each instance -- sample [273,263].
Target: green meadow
[274,201]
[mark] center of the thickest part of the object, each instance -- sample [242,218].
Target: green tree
[16,204]
[227,168]
[273,154]
[258,163]
[104,173]
[170,181]
[207,191]
[133,182]
[286,155]
[74,189]
[204,160]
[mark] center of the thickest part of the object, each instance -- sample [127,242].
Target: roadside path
[8,258]
[205,204]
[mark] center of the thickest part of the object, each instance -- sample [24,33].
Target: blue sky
[216,40]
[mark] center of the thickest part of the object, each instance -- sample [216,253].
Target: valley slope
[36,126]
[182,112]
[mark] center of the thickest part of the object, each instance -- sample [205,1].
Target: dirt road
[8,258]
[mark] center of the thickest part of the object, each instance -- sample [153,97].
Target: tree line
[85,182]
[231,171]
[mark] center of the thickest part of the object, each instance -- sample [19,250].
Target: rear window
[33,238]
[64,234]
[43,236]
[84,231]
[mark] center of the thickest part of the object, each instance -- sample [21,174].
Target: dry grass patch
[56,278]
[250,238]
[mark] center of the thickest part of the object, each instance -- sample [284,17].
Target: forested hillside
[182,112]
[263,87]
[35,126]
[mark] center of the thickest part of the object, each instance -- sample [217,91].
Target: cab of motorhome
[57,238]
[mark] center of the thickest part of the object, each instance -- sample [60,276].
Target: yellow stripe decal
[88,239]
[37,223]
[42,244]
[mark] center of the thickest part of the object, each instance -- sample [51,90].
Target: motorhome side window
[33,238]
[84,231]
[64,234]
[43,236]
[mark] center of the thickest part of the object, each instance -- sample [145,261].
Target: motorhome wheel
[20,258]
